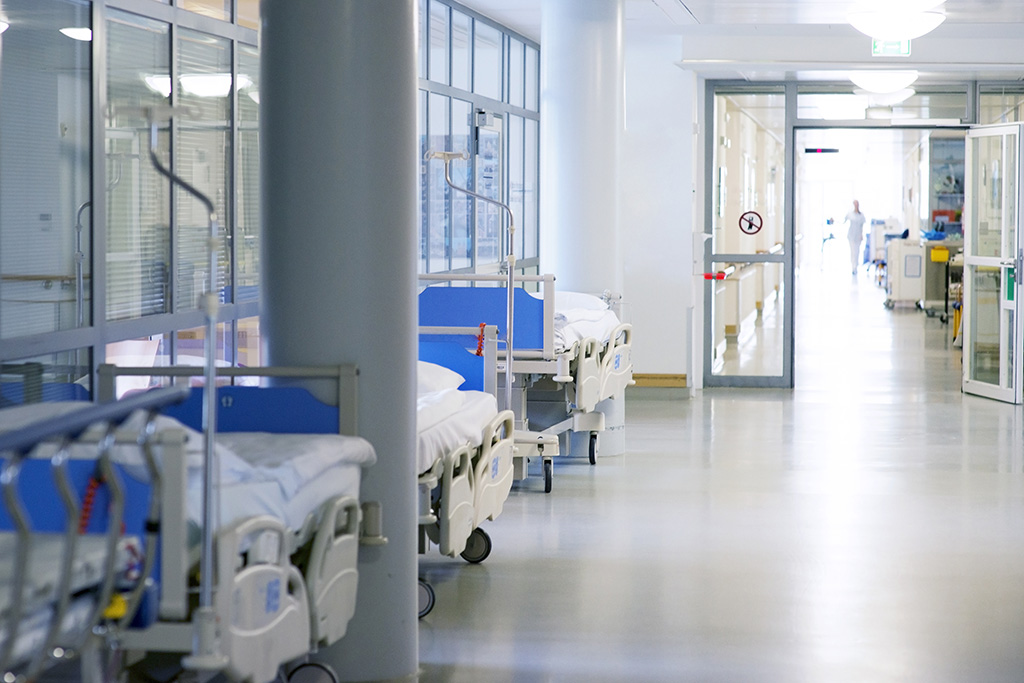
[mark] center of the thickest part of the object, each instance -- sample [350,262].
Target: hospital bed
[568,343]
[290,520]
[464,446]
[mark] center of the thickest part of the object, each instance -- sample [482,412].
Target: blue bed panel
[281,410]
[454,356]
[46,512]
[470,306]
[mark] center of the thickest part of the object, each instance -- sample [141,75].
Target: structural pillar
[339,188]
[582,68]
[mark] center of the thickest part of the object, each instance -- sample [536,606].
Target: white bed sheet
[579,316]
[448,419]
[576,324]
[323,466]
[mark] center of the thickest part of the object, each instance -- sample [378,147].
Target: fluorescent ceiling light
[895,25]
[159,84]
[883,81]
[4,26]
[78,33]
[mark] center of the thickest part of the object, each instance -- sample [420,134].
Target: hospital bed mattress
[448,419]
[42,583]
[286,476]
[43,572]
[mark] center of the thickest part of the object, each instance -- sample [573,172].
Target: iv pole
[510,259]
[205,652]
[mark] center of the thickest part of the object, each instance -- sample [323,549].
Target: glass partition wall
[100,261]
[479,94]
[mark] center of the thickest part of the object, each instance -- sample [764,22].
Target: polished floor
[866,526]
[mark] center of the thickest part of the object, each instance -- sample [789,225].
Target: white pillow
[431,377]
[567,300]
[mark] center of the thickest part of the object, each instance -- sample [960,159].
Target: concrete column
[338,142]
[581,128]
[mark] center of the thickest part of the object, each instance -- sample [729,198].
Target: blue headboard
[470,306]
[280,410]
[455,356]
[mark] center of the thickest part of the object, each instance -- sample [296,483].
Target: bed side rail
[16,447]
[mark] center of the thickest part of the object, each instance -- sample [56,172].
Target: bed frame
[582,376]
[314,607]
[471,484]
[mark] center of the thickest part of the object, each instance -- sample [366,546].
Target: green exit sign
[890,48]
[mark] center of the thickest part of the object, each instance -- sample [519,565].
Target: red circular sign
[751,222]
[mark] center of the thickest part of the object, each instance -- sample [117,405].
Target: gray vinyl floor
[866,526]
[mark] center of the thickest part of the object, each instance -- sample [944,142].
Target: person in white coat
[855,234]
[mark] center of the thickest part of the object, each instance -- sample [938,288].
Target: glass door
[992,324]
[748,255]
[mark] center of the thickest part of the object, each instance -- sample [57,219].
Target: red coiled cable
[88,502]
[480,340]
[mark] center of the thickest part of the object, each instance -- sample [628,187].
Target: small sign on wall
[751,222]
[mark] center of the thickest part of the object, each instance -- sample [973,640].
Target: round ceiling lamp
[883,81]
[896,20]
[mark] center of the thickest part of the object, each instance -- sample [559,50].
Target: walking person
[855,234]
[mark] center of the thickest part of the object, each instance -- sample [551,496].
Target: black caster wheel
[427,598]
[548,475]
[312,672]
[478,547]
[593,448]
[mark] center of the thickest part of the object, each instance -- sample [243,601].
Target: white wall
[657,203]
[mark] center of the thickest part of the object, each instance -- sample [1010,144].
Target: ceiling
[807,39]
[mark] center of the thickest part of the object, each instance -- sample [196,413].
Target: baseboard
[661,381]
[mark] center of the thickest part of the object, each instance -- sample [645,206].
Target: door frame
[703,242]
[1012,265]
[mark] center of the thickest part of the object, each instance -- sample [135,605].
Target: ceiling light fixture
[886,99]
[895,25]
[883,81]
[4,26]
[78,33]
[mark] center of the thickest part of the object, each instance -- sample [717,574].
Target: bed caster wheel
[478,547]
[312,672]
[549,474]
[427,598]
[593,448]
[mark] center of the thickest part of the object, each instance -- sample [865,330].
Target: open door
[992,321]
